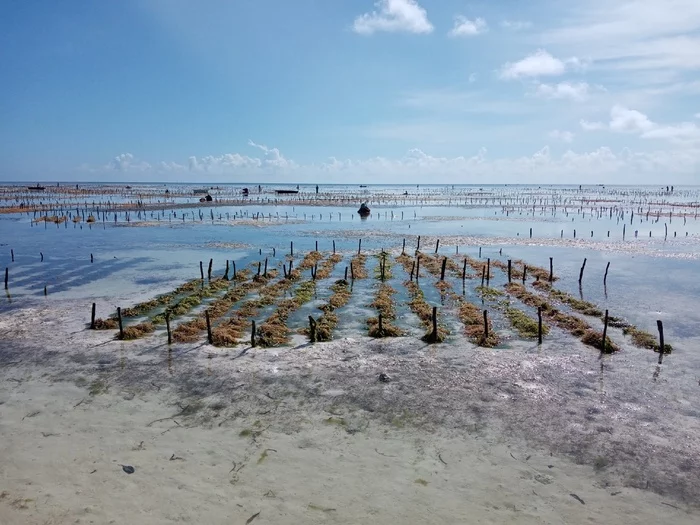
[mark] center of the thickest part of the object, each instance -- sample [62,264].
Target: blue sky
[388,91]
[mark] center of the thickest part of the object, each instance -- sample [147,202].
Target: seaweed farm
[562,321]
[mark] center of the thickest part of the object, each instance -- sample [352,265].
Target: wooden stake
[417,267]
[605,277]
[92,316]
[539,325]
[201,269]
[403,249]
[12,253]
[660,326]
[346,274]
[121,326]
[580,275]
[486,325]
[437,245]
[488,270]
[226,272]
[42,256]
[252,336]
[45,291]
[234,268]
[167,327]
[312,329]
[483,275]
[291,248]
[434,336]
[381,325]
[211,263]
[7,277]
[265,272]
[92,259]
[551,269]
[413,269]
[352,271]
[333,247]
[464,270]
[259,266]
[359,247]
[442,272]
[605,332]
[209,337]
[418,245]
[524,272]
[510,265]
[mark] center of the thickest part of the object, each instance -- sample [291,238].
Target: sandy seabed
[309,434]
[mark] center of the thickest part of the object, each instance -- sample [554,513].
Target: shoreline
[333,425]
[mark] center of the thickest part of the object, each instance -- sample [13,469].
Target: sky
[351,91]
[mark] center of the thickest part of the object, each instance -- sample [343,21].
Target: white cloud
[127,162]
[516,25]
[539,64]
[577,92]
[697,115]
[591,126]
[624,120]
[542,166]
[394,16]
[465,27]
[633,34]
[685,131]
[565,136]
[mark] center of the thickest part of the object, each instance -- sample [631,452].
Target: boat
[286,192]
[364,210]
[36,188]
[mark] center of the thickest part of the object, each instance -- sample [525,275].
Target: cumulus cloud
[539,64]
[394,16]
[592,126]
[127,162]
[564,136]
[624,120]
[418,165]
[465,27]
[577,92]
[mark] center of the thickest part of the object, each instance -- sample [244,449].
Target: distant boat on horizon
[37,187]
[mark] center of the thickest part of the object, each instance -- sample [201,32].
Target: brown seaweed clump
[642,339]
[595,339]
[137,331]
[358,265]
[325,325]
[525,325]
[384,304]
[473,320]
[424,311]
[106,324]
[570,323]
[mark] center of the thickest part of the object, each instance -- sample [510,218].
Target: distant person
[316,189]
[259,188]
